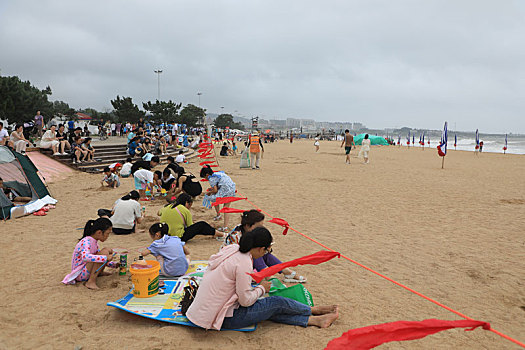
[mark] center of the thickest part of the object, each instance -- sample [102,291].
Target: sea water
[493,144]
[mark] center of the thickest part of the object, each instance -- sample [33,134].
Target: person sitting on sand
[226,300]
[224,150]
[221,185]
[110,179]
[88,260]
[12,195]
[181,158]
[250,220]
[167,180]
[180,221]
[126,214]
[170,251]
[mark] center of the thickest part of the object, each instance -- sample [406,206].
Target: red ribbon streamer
[281,222]
[371,336]
[312,259]
[204,144]
[206,162]
[224,200]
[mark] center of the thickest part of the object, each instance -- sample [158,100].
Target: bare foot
[325,309]
[324,321]
[91,285]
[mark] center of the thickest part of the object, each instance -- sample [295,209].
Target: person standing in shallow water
[348,142]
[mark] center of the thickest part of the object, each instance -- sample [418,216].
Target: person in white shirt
[18,139]
[365,148]
[144,179]
[126,168]
[4,136]
[49,140]
[126,214]
[113,129]
[180,158]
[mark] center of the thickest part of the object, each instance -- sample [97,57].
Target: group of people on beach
[226,298]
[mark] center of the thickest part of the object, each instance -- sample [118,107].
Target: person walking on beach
[256,148]
[365,148]
[348,142]
[316,143]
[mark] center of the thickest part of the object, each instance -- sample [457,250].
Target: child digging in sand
[170,251]
[88,260]
[110,179]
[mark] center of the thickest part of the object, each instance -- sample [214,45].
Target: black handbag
[190,291]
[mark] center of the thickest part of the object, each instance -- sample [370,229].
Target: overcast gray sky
[383,63]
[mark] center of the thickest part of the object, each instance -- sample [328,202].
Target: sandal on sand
[40,213]
[218,217]
[293,278]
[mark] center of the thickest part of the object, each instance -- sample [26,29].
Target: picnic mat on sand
[165,307]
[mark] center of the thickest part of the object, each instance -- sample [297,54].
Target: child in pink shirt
[88,260]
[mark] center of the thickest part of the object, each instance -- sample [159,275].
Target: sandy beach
[456,235]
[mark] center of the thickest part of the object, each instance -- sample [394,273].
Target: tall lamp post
[158,71]
[201,118]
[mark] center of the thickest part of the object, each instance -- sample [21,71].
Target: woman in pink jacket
[226,299]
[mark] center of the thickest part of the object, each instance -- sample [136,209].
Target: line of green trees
[19,101]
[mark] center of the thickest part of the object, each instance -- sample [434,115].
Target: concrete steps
[108,154]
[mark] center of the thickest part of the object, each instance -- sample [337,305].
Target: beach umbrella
[455,140]
[399,140]
[429,140]
[423,140]
[442,147]
[477,140]
[408,139]
[505,147]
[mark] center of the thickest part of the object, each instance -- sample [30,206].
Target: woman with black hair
[126,214]
[250,220]
[221,185]
[226,300]
[180,221]
[186,182]
[88,260]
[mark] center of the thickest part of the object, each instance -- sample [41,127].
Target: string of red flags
[225,200]
[371,336]
[206,162]
[312,259]
[281,222]
[227,210]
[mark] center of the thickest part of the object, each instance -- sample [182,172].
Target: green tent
[20,174]
[374,140]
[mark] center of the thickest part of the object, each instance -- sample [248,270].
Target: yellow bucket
[146,281]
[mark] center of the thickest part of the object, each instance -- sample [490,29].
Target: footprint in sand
[513,201]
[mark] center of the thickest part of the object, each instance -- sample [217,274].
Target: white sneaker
[56,154]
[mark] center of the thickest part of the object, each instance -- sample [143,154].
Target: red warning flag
[312,259]
[224,200]
[281,222]
[232,210]
[206,162]
[371,336]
